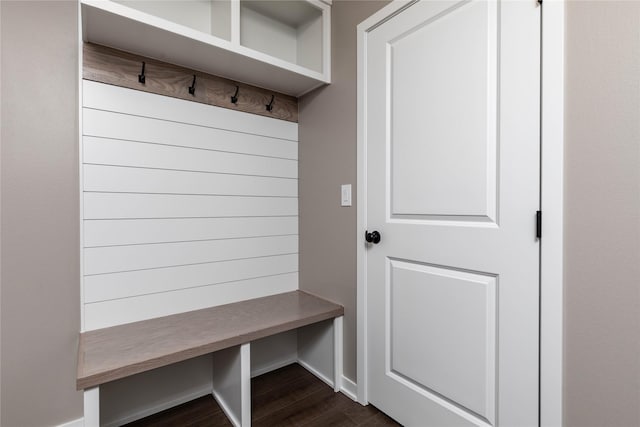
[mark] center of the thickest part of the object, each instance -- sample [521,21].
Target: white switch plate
[345,199]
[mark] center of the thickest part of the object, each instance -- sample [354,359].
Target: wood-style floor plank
[266,384]
[290,396]
[200,412]
[277,399]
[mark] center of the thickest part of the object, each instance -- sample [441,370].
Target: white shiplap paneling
[124,205]
[119,152]
[107,124]
[126,310]
[137,180]
[140,231]
[111,259]
[185,205]
[104,287]
[100,96]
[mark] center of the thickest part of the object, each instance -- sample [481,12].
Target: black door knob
[373,237]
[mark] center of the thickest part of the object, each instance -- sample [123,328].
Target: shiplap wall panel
[107,124]
[115,232]
[114,312]
[185,205]
[105,97]
[120,179]
[110,259]
[123,205]
[117,152]
[104,287]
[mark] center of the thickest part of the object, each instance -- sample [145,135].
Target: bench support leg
[232,383]
[92,407]
[337,353]
[245,384]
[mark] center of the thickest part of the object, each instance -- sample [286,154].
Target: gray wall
[327,159]
[40,312]
[602,264]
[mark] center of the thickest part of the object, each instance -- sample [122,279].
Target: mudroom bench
[226,331]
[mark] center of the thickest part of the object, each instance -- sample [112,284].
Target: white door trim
[552,201]
[552,182]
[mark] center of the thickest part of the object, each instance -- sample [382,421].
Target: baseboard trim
[225,409]
[273,367]
[349,389]
[74,423]
[315,372]
[184,398]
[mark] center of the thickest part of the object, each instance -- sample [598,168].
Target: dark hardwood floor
[290,396]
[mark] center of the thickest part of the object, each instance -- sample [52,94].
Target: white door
[452,117]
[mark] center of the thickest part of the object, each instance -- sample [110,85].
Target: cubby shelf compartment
[279,45]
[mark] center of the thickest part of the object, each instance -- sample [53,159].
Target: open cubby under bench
[226,331]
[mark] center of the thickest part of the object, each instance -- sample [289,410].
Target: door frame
[551,201]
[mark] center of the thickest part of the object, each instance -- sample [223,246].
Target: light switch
[346,195]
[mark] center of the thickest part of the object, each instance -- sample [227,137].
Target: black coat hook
[234,98]
[192,88]
[141,77]
[270,104]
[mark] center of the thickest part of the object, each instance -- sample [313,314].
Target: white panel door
[452,186]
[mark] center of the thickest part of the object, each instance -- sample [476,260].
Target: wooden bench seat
[117,352]
[120,351]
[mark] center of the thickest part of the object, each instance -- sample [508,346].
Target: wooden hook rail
[111,66]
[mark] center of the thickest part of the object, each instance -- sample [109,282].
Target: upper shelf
[279,45]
